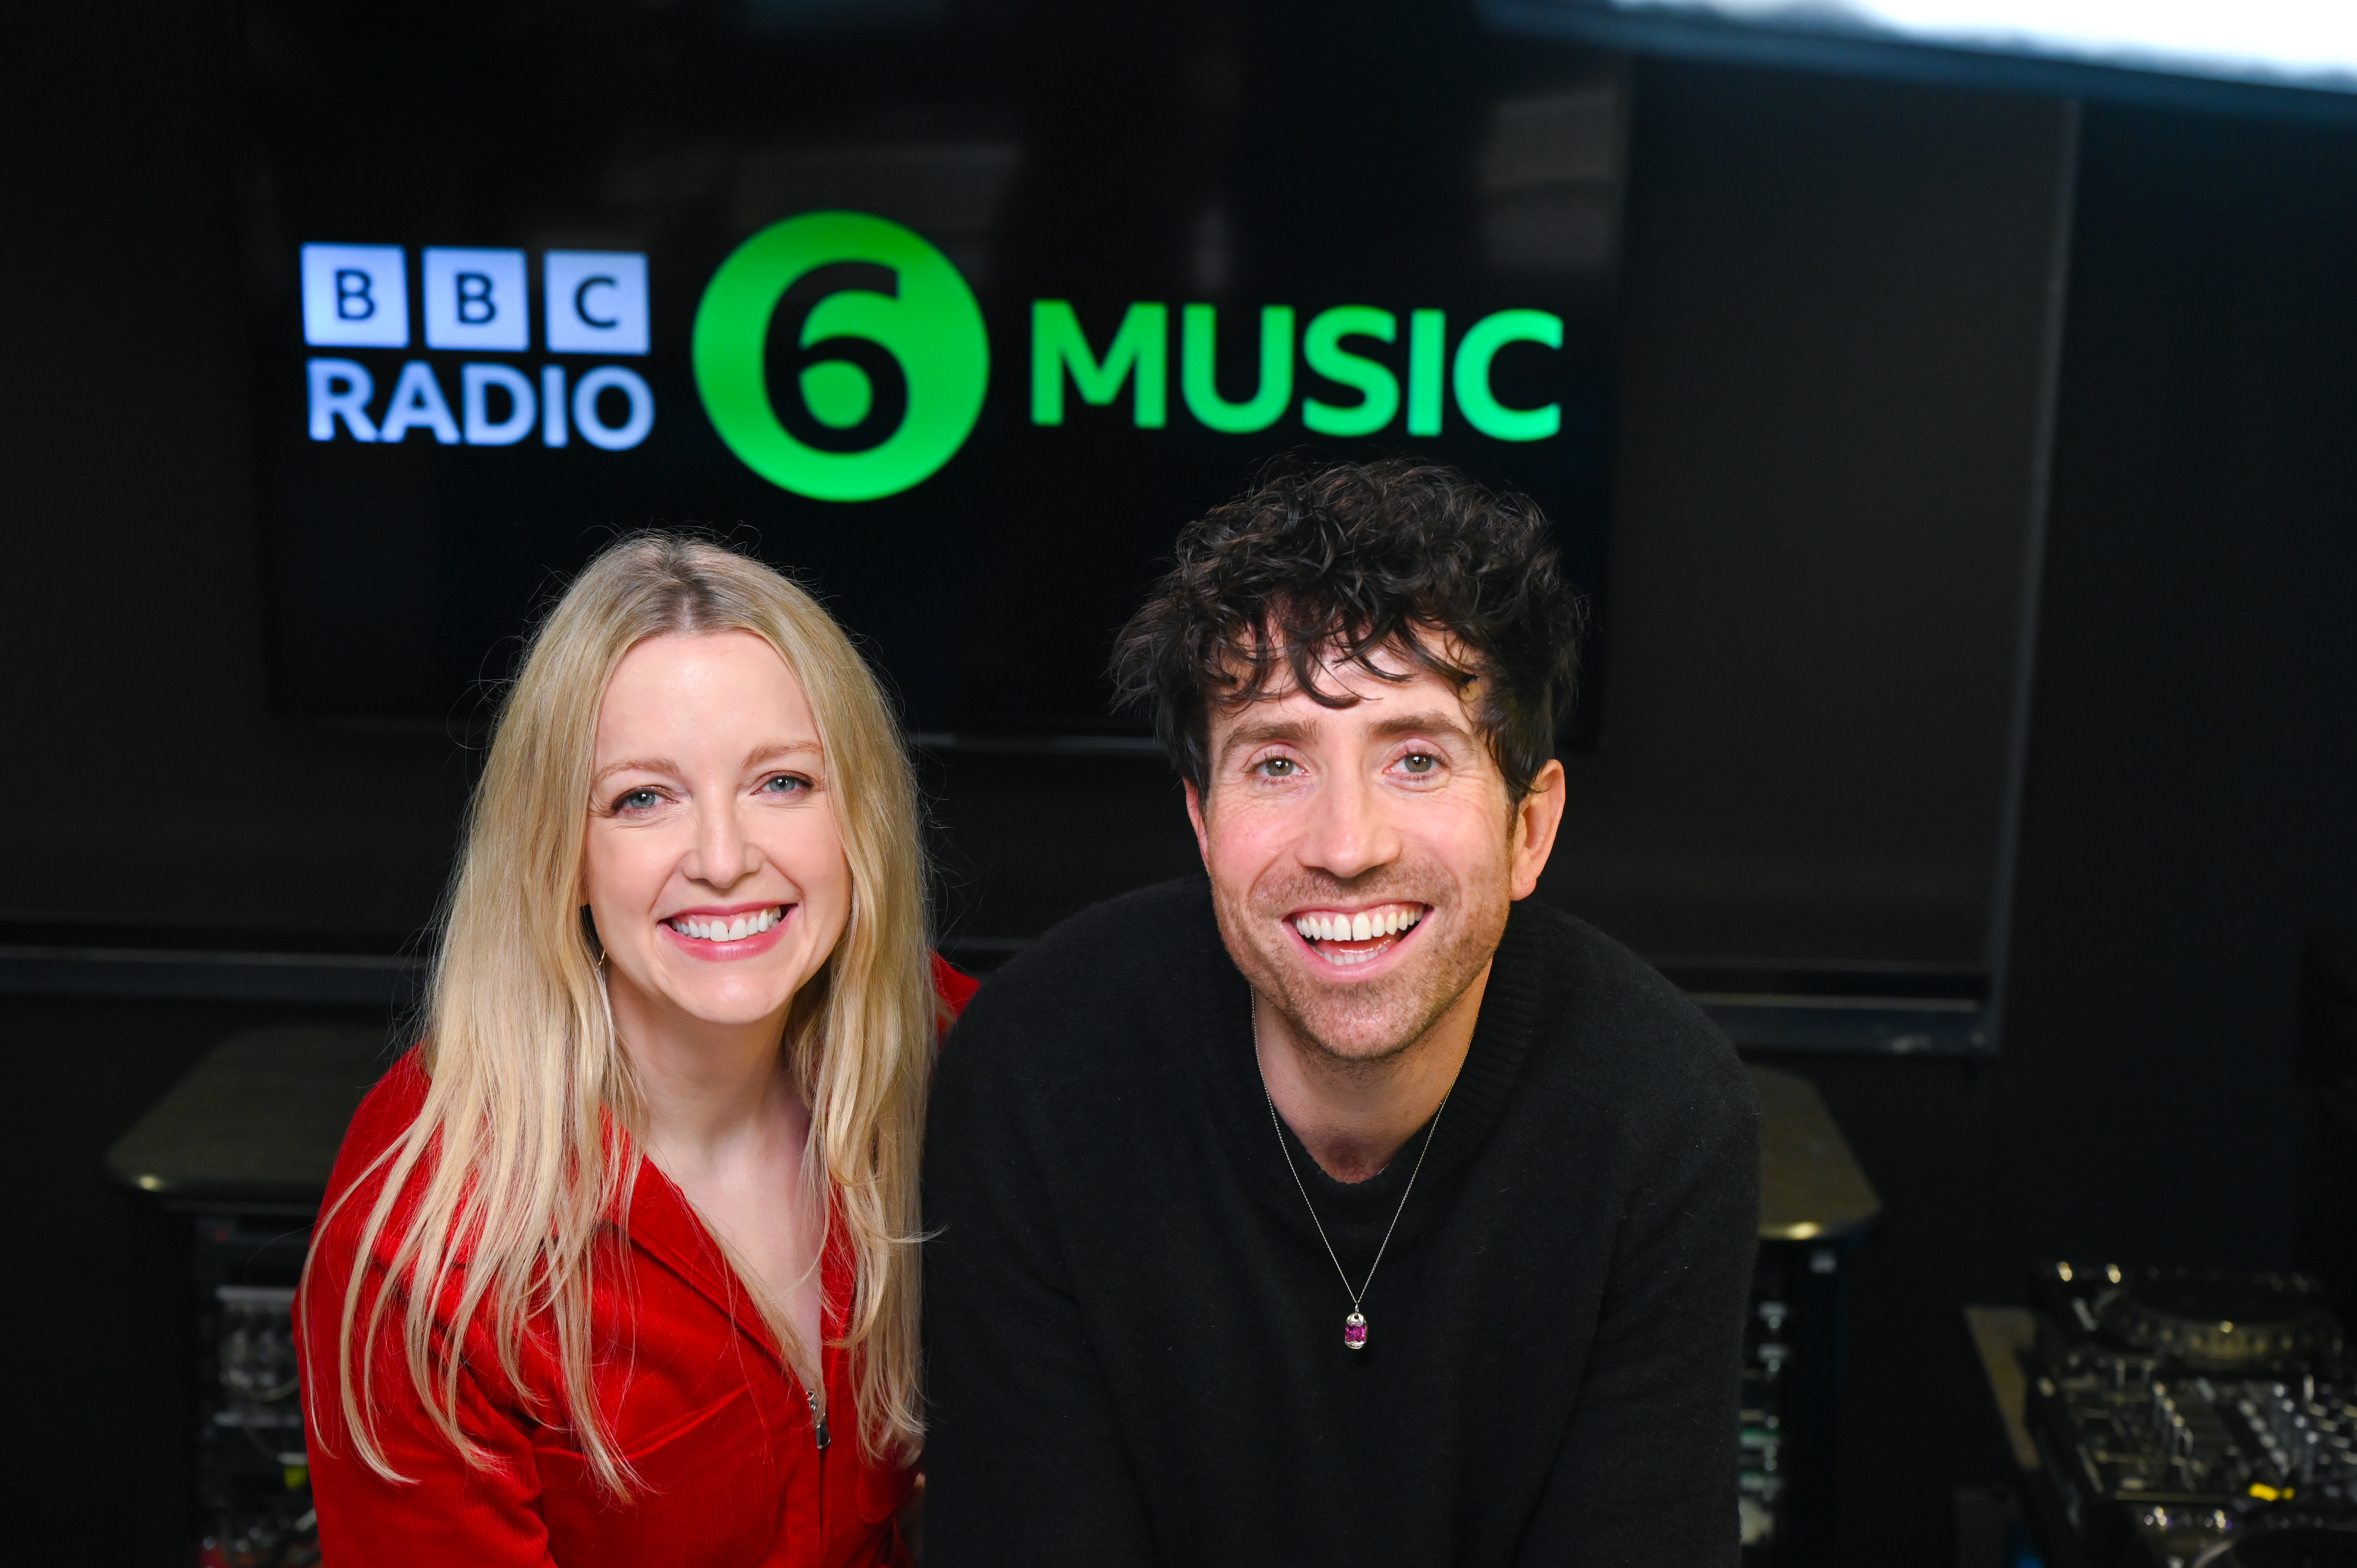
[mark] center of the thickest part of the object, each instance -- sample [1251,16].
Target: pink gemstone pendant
[1354,1331]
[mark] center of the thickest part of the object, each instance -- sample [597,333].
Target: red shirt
[715,1422]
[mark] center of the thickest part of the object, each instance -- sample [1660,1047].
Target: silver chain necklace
[1355,1327]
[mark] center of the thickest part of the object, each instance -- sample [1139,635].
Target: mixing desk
[2195,1419]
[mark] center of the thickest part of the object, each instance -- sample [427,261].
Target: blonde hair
[515,1155]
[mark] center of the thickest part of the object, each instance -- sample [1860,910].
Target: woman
[618,1266]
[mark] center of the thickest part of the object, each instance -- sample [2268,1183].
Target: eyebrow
[753,758]
[1261,734]
[633,764]
[776,749]
[1430,722]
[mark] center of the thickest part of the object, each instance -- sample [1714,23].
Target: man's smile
[1346,937]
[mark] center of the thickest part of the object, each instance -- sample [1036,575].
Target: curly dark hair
[1332,566]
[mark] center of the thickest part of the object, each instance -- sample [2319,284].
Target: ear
[1195,816]
[1535,824]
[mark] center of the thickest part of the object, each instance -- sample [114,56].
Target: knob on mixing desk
[2217,1322]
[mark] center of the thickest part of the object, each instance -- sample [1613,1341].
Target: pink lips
[727,952]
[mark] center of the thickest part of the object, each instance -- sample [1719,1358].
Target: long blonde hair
[522,1149]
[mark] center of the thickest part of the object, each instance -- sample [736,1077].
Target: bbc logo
[357,296]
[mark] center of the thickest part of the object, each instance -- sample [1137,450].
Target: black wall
[2192,786]
[1838,300]
[1833,322]
[169,794]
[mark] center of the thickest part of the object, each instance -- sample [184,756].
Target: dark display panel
[958,312]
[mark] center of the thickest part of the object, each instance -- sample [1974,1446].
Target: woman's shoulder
[385,1112]
[388,1111]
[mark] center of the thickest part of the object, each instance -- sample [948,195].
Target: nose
[723,852]
[1350,831]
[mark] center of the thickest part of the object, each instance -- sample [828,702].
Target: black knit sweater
[1135,1338]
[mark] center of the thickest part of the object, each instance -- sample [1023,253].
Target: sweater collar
[1494,1062]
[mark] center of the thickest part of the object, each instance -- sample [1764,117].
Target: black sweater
[1135,1339]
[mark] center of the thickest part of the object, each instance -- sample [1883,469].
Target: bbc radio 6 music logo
[477,301]
[886,361]
[841,356]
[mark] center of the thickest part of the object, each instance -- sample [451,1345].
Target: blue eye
[638,801]
[784,784]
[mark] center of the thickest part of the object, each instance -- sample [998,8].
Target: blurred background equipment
[2162,1417]
[239,1152]
[1815,1208]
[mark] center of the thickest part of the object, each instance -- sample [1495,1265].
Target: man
[1344,1208]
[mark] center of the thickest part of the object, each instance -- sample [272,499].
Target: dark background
[1058,149]
[1831,336]
[1811,764]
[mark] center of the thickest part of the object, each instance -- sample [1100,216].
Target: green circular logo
[876,344]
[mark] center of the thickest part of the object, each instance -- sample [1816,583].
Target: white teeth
[735,930]
[1364,925]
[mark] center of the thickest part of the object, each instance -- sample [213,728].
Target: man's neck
[1353,1117]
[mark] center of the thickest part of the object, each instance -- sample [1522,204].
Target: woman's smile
[723,935]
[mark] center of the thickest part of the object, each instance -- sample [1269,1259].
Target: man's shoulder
[1612,1027]
[1101,981]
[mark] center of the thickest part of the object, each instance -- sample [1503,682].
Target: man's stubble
[1363,1025]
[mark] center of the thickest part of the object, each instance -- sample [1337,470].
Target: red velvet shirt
[717,1427]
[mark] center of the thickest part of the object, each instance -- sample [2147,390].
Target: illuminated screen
[2306,43]
[956,312]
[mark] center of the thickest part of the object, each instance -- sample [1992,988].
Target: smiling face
[1363,858]
[712,861]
